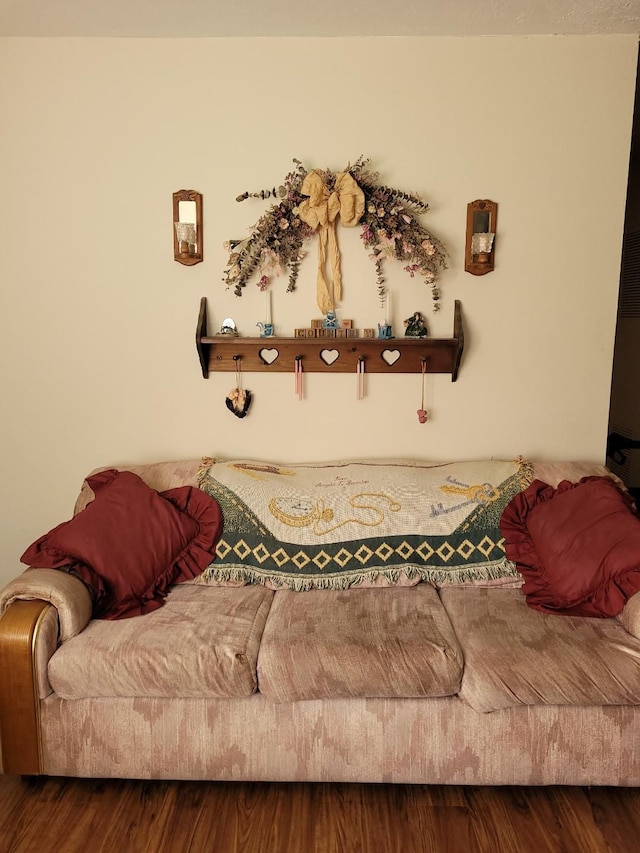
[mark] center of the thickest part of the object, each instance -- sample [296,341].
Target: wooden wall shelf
[221,352]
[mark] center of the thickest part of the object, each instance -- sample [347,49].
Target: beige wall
[99,365]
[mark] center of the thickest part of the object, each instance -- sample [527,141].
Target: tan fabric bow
[320,213]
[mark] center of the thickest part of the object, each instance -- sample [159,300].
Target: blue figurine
[330,321]
[266,330]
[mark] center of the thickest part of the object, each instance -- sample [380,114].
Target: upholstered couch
[385,673]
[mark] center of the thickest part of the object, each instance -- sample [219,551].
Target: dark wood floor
[100,816]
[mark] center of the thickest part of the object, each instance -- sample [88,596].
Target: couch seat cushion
[362,643]
[515,655]
[202,643]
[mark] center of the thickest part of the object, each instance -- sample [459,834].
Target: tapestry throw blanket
[337,525]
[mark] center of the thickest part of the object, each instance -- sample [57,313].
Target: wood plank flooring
[101,816]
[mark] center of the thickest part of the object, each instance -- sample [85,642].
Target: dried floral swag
[388,219]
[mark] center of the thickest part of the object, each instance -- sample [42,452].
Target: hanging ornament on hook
[423,415]
[238,400]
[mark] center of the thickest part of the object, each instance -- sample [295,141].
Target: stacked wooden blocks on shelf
[344,330]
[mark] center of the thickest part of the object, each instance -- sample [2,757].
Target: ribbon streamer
[360,391]
[298,376]
[320,212]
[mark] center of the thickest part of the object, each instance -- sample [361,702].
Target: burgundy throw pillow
[577,546]
[131,542]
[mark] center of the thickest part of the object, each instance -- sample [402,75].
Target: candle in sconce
[267,317]
[387,309]
[187,212]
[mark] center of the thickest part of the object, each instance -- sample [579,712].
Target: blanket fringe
[205,463]
[240,574]
[525,471]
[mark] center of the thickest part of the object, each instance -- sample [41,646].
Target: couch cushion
[364,643]
[202,643]
[515,655]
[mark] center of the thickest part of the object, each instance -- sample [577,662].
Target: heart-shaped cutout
[268,355]
[329,356]
[390,356]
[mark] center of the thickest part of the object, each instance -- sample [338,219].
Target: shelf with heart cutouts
[329,355]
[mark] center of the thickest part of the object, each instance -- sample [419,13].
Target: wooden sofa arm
[19,700]
[38,610]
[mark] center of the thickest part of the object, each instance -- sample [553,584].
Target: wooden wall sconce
[187,227]
[482,216]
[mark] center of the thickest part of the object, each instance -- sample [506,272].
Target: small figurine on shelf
[266,330]
[415,326]
[228,328]
[330,321]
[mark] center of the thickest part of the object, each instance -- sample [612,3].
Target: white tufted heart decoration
[390,356]
[329,356]
[269,355]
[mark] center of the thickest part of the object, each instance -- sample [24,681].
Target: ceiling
[324,18]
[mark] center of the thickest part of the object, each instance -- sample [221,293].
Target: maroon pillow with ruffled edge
[131,542]
[577,546]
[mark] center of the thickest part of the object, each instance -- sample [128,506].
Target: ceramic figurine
[228,327]
[266,330]
[415,326]
[330,321]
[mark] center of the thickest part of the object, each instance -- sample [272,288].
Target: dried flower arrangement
[310,202]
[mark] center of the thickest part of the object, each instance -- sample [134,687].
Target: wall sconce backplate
[479,256]
[187,227]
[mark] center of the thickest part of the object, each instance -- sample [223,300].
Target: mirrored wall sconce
[187,227]
[482,215]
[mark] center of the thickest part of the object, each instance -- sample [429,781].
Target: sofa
[348,627]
